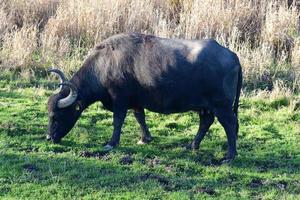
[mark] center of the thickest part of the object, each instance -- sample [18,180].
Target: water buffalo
[137,71]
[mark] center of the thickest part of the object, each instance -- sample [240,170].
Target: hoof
[192,146]
[141,142]
[189,147]
[108,147]
[48,137]
[226,160]
[145,140]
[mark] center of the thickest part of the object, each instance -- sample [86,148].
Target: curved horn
[71,98]
[60,74]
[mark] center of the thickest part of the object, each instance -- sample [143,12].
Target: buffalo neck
[88,86]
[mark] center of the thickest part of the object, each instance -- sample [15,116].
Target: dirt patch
[153,161]
[267,164]
[169,168]
[262,169]
[59,149]
[98,154]
[182,143]
[126,160]
[282,185]
[208,160]
[29,149]
[161,179]
[172,125]
[30,168]
[255,183]
[206,190]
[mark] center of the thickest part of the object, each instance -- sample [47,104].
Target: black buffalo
[136,71]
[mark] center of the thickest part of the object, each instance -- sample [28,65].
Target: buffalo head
[64,109]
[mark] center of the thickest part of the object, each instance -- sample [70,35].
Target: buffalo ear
[78,106]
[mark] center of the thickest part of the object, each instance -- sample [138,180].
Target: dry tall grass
[265,34]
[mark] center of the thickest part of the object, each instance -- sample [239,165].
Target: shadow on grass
[87,175]
[172,149]
[266,163]
[83,174]
[207,156]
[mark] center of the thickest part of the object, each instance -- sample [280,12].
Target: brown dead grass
[265,34]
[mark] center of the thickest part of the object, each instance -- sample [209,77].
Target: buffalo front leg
[118,120]
[140,117]
[206,120]
[228,120]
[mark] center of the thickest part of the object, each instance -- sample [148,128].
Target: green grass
[267,167]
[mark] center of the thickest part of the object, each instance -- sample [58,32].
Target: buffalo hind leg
[118,120]
[228,120]
[206,120]
[140,117]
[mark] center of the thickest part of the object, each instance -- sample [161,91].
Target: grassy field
[267,165]
[38,34]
